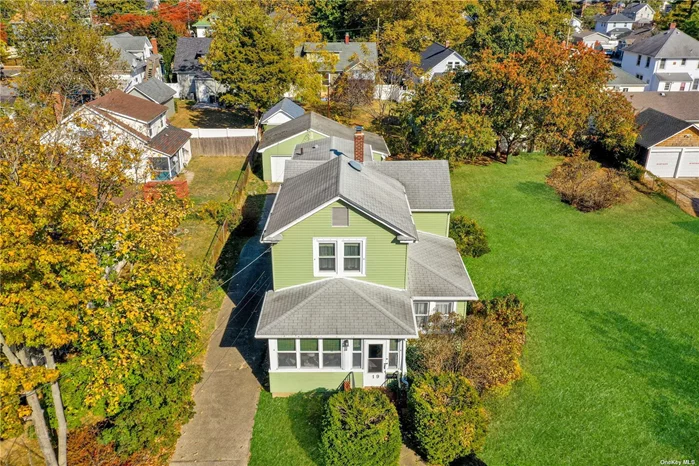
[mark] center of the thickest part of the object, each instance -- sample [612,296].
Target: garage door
[278,168]
[689,164]
[662,162]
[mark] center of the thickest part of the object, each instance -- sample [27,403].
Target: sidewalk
[226,398]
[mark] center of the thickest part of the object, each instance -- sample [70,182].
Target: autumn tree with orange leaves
[551,96]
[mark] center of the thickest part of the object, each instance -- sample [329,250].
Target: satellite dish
[356,165]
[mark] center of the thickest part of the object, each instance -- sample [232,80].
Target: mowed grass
[611,364]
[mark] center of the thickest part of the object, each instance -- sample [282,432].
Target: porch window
[444,308]
[286,352]
[356,354]
[309,353]
[393,354]
[422,313]
[326,255]
[332,355]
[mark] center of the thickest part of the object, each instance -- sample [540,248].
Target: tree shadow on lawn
[306,410]
[220,117]
[535,188]
[691,226]
[670,364]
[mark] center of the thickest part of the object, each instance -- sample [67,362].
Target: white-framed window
[309,353]
[286,353]
[695,84]
[647,62]
[683,86]
[424,309]
[357,354]
[667,86]
[684,62]
[638,61]
[332,352]
[662,63]
[394,347]
[339,257]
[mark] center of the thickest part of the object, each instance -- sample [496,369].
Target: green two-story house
[361,258]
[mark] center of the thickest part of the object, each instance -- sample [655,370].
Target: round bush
[361,428]
[469,237]
[448,419]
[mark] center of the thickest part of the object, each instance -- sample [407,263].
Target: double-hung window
[647,62]
[695,84]
[424,309]
[286,353]
[638,61]
[309,353]
[422,313]
[662,63]
[684,62]
[356,354]
[339,257]
[393,354]
[332,353]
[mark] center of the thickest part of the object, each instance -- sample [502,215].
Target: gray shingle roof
[622,78]
[328,148]
[170,140]
[615,18]
[655,127]
[583,34]
[336,308]
[129,42]
[348,54]
[187,54]
[436,270]
[672,43]
[316,122]
[156,90]
[286,106]
[682,105]
[378,195]
[426,182]
[634,8]
[294,168]
[434,54]
[674,77]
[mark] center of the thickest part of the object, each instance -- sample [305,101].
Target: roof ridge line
[431,269]
[375,305]
[295,308]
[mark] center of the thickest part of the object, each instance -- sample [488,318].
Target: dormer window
[339,257]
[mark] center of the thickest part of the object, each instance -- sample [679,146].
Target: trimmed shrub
[633,170]
[448,417]
[581,183]
[469,236]
[361,428]
[484,347]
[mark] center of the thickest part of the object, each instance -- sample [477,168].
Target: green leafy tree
[469,237]
[107,8]
[166,35]
[330,17]
[437,128]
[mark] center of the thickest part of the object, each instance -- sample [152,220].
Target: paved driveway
[685,193]
[226,398]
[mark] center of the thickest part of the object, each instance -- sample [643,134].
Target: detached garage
[670,146]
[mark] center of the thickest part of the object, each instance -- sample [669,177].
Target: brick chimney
[359,145]
[154,43]
[347,38]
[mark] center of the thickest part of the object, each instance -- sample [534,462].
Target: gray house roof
[622,78]
[682,105]
[436,270]
[336,308]
[633,9]
[426,182]
[655,127]
[187,54]
[326,149]
[379,196]
[615,18]
[321,124]
[348,54]
[155,90]
[286,106]
[675,77]
[672,43]
[434,54]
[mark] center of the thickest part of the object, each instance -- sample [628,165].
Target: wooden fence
[225,146]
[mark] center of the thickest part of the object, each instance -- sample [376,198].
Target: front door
[376,359]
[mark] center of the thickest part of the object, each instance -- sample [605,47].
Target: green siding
[461,307]
[285,148]
[292,382]
[292,257]
[432,222]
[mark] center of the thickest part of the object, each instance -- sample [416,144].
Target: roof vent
[356,165]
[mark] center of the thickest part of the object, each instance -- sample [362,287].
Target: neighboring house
[438,59]
[360,259]
[137,122]
[682,106]
[630,37]
[278,144]
[613,25]
[358,58]
[640,13]
[195,83]
[139,59]
[624,82]
[668,61]
[596,40]
[202,28]
[669,146]
[156,91]
[576,24]
[283,111]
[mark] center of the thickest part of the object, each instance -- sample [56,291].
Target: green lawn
[188,117]
[612,357]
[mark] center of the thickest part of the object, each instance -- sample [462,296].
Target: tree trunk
[40,425]
[62,430]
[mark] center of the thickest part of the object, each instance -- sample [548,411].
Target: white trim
[292,137]
[325,279]
[443,211]
[345,336]
[443,298]
[262,122]
[339,257]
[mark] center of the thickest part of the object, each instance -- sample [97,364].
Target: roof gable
[655,127]
[286,106]
[435,54]
[155,90]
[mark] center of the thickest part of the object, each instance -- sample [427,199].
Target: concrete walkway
[226,398]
